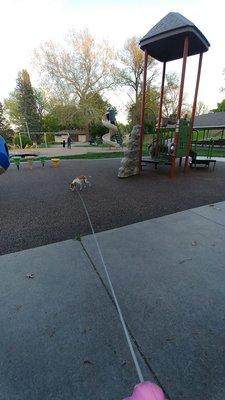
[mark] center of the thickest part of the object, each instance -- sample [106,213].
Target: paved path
[60,335]
[60,151]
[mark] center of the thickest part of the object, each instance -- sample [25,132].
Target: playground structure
[167,139]
[113,137]
[4,156]
[174,37]
[29,161]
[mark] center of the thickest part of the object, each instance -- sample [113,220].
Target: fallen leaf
[30,275]
[88,362]
[170,339]
[184,260]
[86,330]
[51,332]
[194,243]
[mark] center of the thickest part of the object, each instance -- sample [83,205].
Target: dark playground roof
[210,121]
[165,41]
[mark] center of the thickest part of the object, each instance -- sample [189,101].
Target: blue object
[111,116]
[4,156]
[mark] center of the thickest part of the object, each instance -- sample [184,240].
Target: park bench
[205,161]
[156,162]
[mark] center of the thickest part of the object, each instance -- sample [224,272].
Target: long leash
[137,366]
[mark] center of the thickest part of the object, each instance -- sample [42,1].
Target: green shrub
[98,130]
[25,140]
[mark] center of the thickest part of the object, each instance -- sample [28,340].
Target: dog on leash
[80,182]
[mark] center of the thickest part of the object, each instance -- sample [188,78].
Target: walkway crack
[208,219]
[138,347]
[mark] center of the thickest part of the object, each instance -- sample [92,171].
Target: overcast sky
[27,23]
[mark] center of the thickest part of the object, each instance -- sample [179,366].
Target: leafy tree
[41,102]
[5,129]
[131,73]
[92,108]
[60,117]
[11,105]
[98,130]
[220,106]
[83,115]
[151,109]
[27,103]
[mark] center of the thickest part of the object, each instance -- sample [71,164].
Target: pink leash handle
[147,391]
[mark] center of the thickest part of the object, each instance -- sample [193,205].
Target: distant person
[193,156]
[64,143]
[69,140]
[168,144]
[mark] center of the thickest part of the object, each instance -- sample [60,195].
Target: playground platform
[60,334]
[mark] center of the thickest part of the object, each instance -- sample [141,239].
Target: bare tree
[222,89]
[201,108]
[171,96]
[79,67]
[132,68]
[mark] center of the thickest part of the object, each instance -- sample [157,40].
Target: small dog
[80,182]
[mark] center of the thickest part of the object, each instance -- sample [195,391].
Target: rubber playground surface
[37,207]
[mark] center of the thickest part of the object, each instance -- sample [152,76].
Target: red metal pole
[193,111]
[143,107]
[161,104]
[176,137]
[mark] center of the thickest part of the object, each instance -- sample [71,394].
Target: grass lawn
[217,152]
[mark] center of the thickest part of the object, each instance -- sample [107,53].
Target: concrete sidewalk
[60,334]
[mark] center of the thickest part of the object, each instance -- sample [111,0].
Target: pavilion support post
[203,137]
[176,137]
[193,111]
[143,107]
[160,106]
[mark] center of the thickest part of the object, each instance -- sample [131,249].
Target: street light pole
[28,132]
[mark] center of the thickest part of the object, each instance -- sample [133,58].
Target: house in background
[76,135]
[211,124]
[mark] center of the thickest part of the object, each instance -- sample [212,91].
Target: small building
[213,121]
[76,135]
